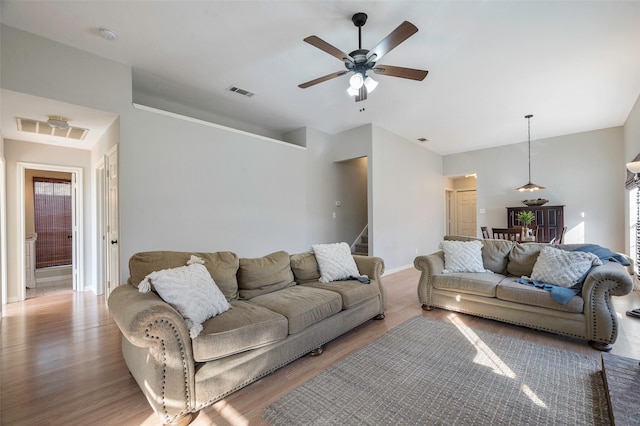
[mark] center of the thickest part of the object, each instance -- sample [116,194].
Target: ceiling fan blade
[330,49]
[397,36]
[391,71]
[322,79]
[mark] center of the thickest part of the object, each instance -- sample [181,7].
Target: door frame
[3,233]
[77,219]
[100,264]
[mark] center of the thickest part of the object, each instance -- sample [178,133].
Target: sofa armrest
[610,279]
[157,349]
[430,265]
[373,267]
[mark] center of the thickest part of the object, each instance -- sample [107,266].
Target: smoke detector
[57,122]
[107,34]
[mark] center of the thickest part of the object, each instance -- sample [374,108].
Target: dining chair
[512,234]
[485,232]
[560,238]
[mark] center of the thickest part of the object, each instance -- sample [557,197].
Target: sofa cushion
[562,268]
[462,256]
[352,292]
[305,267]
[264,274]
[222,266]
[495,255]
[481,284]
[512,291]
[303,306]
[335,262]
[522,258]
[246,326]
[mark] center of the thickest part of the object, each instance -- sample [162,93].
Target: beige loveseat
[588,315]
[279,312]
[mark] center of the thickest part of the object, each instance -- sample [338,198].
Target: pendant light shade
[529,187]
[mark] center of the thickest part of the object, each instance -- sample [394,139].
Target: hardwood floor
[61,360]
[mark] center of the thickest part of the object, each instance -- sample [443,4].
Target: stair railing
[363,232]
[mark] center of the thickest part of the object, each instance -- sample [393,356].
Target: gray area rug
[427,372]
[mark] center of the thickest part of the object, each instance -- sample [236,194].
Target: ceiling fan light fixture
[352,92]
[356,81]
[370,84]
[58,122]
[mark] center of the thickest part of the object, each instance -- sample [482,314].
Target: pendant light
[530,187]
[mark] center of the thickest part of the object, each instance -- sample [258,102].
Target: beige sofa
[588,315]
[279,312]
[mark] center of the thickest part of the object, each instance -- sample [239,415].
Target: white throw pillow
[190,290]
[562,268]
[462,256]
[335,262]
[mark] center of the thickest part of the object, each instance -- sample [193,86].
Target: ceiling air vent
[240,91]
[42,128]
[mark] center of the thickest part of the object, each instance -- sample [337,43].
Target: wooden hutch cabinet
[549,220]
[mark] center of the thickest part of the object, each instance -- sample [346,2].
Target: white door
[449,211]
[466,208]
[112,250]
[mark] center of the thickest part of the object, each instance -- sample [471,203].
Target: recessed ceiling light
[108,34]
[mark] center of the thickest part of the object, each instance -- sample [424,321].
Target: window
[52,217]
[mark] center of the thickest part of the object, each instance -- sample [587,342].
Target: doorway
[460,206]
[25,173]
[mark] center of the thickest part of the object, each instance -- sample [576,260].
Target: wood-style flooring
[61,360]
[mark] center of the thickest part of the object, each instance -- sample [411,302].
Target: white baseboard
[398,269]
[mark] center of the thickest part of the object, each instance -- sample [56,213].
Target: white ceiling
[574,65]
[26,106]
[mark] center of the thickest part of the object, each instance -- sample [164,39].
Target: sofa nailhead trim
[163,349]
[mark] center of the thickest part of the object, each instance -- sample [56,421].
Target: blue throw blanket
[604,254]
[562,295]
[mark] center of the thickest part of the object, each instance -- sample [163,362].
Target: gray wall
[584,171]
[189,186]
[408,199]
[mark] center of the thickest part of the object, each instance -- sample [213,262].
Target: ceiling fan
[362,60]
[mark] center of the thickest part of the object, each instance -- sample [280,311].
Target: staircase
[362,248]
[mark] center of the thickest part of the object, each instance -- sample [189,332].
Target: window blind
[53,221]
